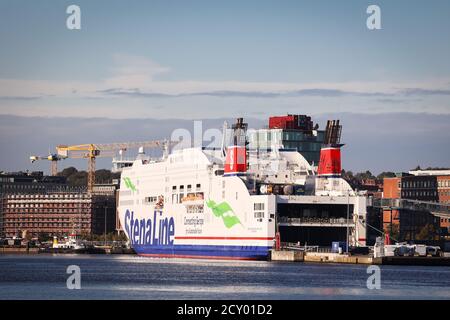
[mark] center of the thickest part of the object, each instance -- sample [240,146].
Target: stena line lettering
[155,232]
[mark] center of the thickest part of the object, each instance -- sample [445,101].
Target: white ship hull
[204,215]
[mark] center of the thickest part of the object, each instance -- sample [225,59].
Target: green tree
[78,179]
[428,232]
[364,175]
[393,232]
[67,172]
[386,174]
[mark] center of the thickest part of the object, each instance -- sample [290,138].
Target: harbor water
[130,277]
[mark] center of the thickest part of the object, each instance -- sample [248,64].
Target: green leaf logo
[129,184]
[224,211]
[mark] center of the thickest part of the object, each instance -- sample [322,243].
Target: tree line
[77,178]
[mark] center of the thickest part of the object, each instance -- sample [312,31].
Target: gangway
[441,210]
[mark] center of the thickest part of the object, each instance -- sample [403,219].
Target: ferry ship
[239,200]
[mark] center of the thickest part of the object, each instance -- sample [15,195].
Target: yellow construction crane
[54,158]
[93,151]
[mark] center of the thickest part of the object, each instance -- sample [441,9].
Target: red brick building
[391,190]
[444,196]
[58,213]
[423,187]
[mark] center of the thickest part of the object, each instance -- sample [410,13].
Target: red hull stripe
[182,256]
[223,238]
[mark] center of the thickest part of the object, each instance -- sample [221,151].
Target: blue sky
[138,60]
[192,59]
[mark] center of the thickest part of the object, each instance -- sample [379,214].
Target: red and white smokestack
[330,154]
[330,162]
[236,160]
[236,156]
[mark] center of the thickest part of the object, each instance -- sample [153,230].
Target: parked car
[434,251]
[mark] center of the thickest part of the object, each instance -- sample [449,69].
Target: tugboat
[71,244]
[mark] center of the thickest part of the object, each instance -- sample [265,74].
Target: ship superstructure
[233,202]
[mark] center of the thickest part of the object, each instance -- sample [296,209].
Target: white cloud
[133,71]
[136,77]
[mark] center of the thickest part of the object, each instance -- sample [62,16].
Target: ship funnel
[236,160]
[330,154]
[236,155]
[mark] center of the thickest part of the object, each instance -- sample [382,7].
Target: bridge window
[258,209]
[151,199]
[258,206]
[259,215]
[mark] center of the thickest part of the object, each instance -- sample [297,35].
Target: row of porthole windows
[179,193]
[188,188]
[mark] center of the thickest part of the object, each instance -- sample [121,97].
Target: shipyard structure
[260,188]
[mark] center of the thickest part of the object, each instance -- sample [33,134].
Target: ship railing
[107,243]
[303,247]
[314,220]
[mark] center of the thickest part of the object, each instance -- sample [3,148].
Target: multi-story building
[38,205]
[391,190]
[423,188]
[25,183]
[52,213]
[104,204]
[444,196]
[417,185]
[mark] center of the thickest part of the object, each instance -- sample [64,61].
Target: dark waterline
[132,277]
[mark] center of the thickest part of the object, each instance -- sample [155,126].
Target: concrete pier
[17,250]
[417,261]
[286,255]
[339,258]
[327,257]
